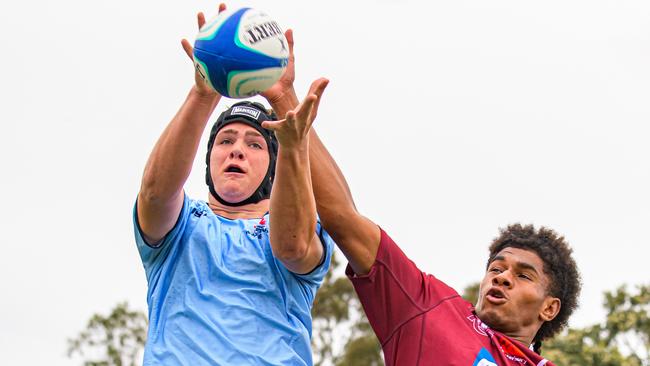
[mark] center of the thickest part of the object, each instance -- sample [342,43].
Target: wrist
[208,97]
[297,149]
[284,102]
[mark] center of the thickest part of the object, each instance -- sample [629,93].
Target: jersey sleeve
[153,256]
[395,290]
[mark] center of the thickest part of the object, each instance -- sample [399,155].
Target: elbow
[291,254]
[154,188]
[152,193]
[148,192]
[292,250]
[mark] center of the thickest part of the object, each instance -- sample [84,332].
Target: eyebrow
[523,265]
[253,133]
[248,133]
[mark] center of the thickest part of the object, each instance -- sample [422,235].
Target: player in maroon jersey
[529,290]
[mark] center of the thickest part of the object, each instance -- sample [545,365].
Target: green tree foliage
[339,320]
[362,349]
[113,340]
[623,339]
[471,293]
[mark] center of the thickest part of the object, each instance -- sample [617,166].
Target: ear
[550,308]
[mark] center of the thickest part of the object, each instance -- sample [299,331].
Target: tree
[114,340]
[470,293]
[363,348]
[342,334]
[623,339]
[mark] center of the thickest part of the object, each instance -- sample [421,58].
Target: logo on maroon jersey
[506,346]
[509,348]
[480,327]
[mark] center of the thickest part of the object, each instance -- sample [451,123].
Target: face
[238,162]
[513,295]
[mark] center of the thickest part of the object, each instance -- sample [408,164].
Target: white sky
[449,119]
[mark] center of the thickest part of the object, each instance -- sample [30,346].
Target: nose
[236,153]
[502,279]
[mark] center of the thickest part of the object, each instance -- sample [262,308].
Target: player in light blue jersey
[231,281]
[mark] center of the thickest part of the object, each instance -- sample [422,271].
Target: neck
[249,211]
[523,335]
[526,340]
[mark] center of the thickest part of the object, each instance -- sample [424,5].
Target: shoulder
[394,272]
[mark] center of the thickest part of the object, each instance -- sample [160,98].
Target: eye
[255,145]
[495,270]
[225,142]
[525,276]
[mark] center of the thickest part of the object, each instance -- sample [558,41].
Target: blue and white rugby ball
[241,53]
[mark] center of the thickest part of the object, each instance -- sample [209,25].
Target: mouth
[496,296]
[234,168]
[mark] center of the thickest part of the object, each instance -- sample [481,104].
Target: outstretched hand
[199,81]
[292,131]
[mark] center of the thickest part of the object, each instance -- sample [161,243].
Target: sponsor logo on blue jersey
[259,229]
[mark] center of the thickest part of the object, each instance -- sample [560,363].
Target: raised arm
[292,208]
[357,236]
[161,193]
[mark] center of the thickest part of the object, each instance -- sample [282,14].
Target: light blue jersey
[218,296]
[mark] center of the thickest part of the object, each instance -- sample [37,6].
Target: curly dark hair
[559,266]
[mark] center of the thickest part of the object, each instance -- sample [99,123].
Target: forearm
[293,209]
[357,236]
[161,194]
[334,201]
[171,160]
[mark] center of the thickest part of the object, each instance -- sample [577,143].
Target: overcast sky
[450,119]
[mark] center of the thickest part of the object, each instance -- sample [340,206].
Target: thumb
[187,47]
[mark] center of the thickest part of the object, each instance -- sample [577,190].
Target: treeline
[343,337]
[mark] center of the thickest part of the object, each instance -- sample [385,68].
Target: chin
[232,197]
[491,318]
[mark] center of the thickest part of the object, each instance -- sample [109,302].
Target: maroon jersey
[421,321]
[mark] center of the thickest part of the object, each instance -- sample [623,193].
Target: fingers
[292,58]
[273,125]
[317,88]
[305,110]
[189,51]
[200,19]
[290,71]
[289,36]
[301,113]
